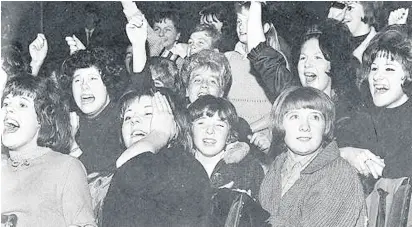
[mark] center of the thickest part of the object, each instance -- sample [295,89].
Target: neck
[363,29]
[208,163]
[101,110]
[328,91]
[27,153]
[400,102]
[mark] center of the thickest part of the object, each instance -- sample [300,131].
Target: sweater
[51,190]
[170,188]
[99,139]
[387,133]
[328,193]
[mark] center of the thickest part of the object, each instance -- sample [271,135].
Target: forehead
[205,71]
[303,111]
[200,35]
[13,97]
[385,57]
[165,22]
[138,103]
[86,71]
[311,45]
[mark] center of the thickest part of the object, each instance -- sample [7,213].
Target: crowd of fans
[235,127]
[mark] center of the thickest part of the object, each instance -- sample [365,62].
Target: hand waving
[38,48]
[75,44]
[136,29]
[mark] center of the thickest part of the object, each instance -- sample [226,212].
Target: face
[212,20]
[199,41]
[312,66]
[21,127]
[137,120]
[304,129]
[167,32]
[385,82]
[210,135]
[241,25]
[204,82]
[129,58]
[353,15]
[89,91]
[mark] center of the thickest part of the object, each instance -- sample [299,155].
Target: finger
[373,157]
[371,168]
[68,38]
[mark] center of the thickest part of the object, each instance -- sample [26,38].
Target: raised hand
[398,16]
[363,160]
[75,44]
[38,48]
[261,140]
[136,30]
[163,123]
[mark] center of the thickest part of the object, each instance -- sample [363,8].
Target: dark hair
[335,43]
[371,10]
[227,16]
[13,60]
[300,98]
[208,59]
[397,42]
[209,105]
[211,32]
[113,74]
[167,72]
[266,15]
[183,138]
[172,15]
[52,113]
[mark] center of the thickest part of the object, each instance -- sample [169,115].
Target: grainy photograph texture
[206,113]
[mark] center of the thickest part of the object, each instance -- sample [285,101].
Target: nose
[135,120]
[304,125]
[377,75]
[161,33]
[308,63]
[85,84]
[204,84]
[210,130]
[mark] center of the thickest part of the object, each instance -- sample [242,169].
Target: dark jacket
[170,188]
[246,175]
[271,69]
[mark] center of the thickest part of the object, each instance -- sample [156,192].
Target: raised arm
[255,33]
[38,52]
[136,30]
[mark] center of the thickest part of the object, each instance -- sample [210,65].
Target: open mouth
[310,77]
[209,141]
[380,88]
[202,94]
[138,133]
[87,98]
[11,125]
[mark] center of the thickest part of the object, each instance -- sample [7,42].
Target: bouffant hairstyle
[52,113]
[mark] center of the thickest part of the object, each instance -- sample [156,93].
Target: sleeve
[76,199]
[337,200]
[357,131]
[272,69]
[142,79]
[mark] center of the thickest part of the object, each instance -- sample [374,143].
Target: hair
[13,60]
[113,73]
[209,59]
[211,32]
[396,41]
[300,98]
[172,15]
[209,105]
[52,113]
[224,14]
[182,138]
[335,43]
[371,10]
[167,72]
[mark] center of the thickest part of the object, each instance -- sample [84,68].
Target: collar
[241,49]
[358,52]
[324,157]
[25,158]
[89,30]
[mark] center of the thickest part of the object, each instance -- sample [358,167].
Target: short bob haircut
[302,98]
[397,43]
[335,43]
[170,14]
[209,105]
[211,32]
[52,113]
[212,60]
[182,139]
[113,73]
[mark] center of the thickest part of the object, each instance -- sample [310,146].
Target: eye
[302,57]
[23,105]
[214,82]
[318,57]
[350,8]
[220,125]
[126,118]
[374,68]
[148,114]
[76,80]
[201,43]
[197,80]
[190,42]
[316,117]
[293,116]
[5,104]
[389,69]
[156,29]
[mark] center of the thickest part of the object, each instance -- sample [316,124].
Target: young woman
[309,184]
[40,185]
[163,185]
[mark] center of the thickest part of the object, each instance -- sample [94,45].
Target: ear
[266,27]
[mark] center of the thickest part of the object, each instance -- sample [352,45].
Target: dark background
[61,19]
